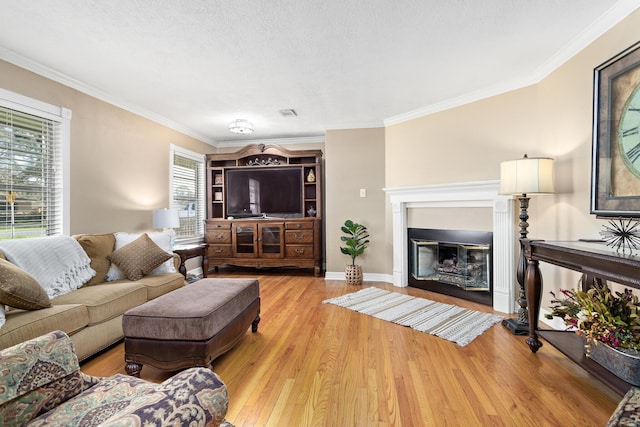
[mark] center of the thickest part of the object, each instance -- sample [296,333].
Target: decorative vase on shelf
[312,211]
[353,274]
[311,176]
[622,364]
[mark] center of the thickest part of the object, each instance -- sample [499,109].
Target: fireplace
[478,194]
[451,262]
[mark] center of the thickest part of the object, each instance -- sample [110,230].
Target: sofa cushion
[139,257]
[106,301]
[98,247]
[161,239]
[24,325]
[160,284]
[19,289]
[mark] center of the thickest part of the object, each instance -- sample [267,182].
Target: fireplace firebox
[452,262]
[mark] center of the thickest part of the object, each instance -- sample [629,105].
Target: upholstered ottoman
[190,326]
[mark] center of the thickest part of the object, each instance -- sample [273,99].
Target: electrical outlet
[363,192]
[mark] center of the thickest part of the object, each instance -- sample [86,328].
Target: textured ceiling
[196,65]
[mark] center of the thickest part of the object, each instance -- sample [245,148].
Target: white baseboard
[555,323]
[367,277]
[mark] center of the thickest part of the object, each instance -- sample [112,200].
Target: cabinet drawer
[308,225]
[218,225]
[218,236]
[219,251]
[300,251]
[302,236]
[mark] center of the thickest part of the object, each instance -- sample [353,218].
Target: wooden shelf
[572,346]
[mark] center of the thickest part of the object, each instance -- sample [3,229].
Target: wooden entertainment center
[239,233]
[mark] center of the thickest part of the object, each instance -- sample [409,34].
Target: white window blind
[31,178]
[187,193]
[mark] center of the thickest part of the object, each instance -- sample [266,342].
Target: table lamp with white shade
[167,219]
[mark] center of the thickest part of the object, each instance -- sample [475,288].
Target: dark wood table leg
[182,269]
[533,285]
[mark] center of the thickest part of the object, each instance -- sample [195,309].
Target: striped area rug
[450,322]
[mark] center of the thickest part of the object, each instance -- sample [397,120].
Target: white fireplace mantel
[461,195]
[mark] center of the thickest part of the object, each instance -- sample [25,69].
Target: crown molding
[319,139]
[37,68]
[356,125]
[605,22]
[459,101]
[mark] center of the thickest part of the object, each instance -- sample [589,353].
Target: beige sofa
[92,314]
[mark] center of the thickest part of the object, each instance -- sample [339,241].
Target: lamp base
[516,327]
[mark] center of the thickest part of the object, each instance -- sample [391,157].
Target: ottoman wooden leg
[133,368]
[254,324]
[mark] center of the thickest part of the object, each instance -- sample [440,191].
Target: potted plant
[610,324]
[355,240]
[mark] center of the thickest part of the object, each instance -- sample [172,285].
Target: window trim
[62,115]
[174,149]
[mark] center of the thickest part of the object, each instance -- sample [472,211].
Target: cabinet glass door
[271,240]
[245,241]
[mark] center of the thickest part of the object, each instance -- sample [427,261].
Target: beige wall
[119,160]
[462,144]
[354,160]
[552,118]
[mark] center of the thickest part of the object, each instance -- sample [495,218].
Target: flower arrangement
[600,315]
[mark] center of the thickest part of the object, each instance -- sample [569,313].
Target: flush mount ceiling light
[241,126]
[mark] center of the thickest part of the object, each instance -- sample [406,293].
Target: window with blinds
[31,199]
[187,193]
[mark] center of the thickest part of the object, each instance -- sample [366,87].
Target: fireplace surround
[461,196]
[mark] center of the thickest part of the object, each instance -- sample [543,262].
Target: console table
[593,259]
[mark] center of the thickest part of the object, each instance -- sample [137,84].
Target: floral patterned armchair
[41,385]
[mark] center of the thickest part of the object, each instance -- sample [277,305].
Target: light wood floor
[312,364]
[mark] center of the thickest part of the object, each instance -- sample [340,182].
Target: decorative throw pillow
[98,247]
[139,257]
[162,239]
[20,290]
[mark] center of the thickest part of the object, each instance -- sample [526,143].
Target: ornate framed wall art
[615,174]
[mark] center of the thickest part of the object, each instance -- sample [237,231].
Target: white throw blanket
[58,263]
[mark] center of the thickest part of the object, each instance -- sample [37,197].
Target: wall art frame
[615,163]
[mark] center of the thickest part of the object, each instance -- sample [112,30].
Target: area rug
[450,322]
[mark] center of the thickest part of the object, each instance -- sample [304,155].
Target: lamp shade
[166,218]
[529,175]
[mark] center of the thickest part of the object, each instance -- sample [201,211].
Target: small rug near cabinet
[450,322]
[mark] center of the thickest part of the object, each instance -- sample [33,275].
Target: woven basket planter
[353,275]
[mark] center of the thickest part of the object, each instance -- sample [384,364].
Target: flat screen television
[275,192]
